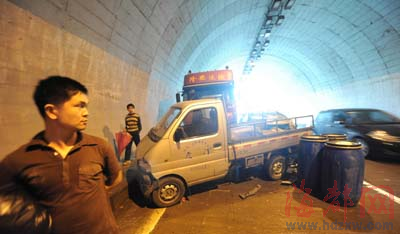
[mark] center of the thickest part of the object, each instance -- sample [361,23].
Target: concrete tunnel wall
[33,49]
[138,51]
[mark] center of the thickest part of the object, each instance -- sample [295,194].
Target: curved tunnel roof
[327,42]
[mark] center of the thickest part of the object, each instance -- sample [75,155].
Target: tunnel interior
[324,54]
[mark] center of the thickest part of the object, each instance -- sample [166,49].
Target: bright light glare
[272,87]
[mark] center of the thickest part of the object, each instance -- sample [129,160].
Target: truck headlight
[383,136]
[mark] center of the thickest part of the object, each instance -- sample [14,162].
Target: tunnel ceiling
[327,42]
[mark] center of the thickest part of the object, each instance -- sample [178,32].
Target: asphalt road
[275,208]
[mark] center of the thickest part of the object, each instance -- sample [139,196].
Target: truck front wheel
[275,167]
[169,192]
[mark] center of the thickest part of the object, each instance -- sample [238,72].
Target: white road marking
[151,222]
[381,191]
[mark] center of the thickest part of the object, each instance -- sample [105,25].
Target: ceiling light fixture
[280,19]
[267,33]
[274,16]
[276,5]
[268,21]
[289,4]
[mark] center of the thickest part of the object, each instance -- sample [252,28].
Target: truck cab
[187,147]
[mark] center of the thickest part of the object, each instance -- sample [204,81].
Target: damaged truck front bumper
[146,180]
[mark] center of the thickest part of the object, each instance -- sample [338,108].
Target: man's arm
[126,124]
[116,181]
[139,124]
[112,170]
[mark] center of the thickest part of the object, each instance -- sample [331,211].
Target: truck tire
[275,167]
[170,192]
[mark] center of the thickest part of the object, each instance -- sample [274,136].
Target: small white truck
[193,144]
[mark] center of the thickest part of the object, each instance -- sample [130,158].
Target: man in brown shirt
[65,170]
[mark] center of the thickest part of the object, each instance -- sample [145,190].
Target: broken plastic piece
[286,182]
[250,193]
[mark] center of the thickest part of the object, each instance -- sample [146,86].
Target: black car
[376,130]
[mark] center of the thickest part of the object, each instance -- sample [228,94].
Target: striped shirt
[132,123]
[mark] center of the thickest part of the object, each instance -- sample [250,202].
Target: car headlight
[383,136]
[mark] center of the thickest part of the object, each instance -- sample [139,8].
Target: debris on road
[251,192]
[287,182]
[291,174]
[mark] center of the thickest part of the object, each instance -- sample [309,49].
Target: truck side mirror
[178,97]
[178,135]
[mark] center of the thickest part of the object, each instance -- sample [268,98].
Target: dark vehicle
[376,130]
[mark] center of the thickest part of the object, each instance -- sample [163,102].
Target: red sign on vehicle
[208,77]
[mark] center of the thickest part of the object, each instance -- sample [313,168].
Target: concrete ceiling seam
[206,23]
[339,38]
[297,54]
[223,31]
[219,28]
[345,53]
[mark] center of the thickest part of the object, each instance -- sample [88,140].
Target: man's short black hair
[56,90]
[130,105]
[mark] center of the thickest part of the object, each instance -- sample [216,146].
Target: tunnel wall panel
[364,94]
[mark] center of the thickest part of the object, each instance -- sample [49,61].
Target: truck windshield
[159,130]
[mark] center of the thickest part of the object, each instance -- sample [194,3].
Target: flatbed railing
[263,129]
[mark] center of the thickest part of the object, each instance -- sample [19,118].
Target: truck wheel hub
[168,192]
[277,168]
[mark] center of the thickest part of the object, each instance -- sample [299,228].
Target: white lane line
[381,191]
[151,222]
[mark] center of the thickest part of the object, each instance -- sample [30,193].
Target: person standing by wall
[65,170]
[133,126]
